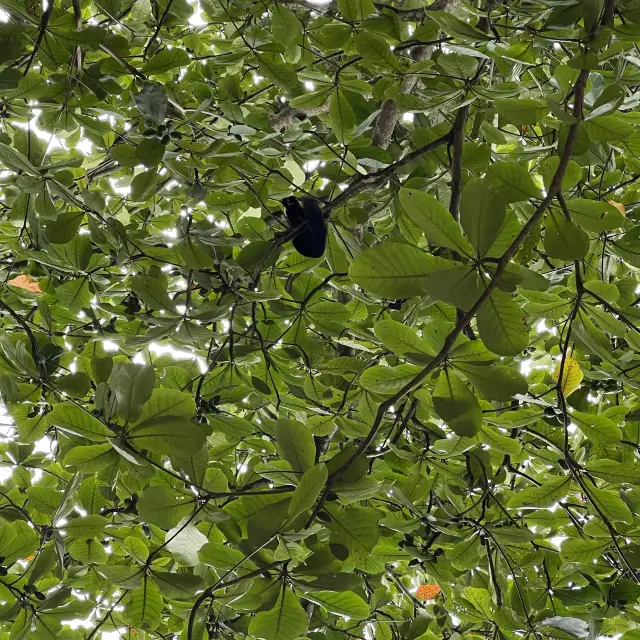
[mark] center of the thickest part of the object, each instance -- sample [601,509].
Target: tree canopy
[430,431]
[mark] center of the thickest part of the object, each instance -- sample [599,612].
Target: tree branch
[372,181]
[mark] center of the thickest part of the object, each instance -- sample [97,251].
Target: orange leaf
[619,206]
[427,591]
[25,282]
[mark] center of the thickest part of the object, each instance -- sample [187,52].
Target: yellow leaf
[619,206]
[571,376]
[25,282]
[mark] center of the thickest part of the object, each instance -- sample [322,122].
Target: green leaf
[178,586]
[391,270]
[308,490]
[595,215]
[499,442]
[495,382]
[456,27]
[480,599]
[354,529]
[166,60]
[456,64]
[91,458]
[353,10]
[295,444]
[71,418]
[87,551]
[375,49]
[132,386]
[546,495]
[74,294]
[153,292]
[162,507]
[456,405]
[513,181]
[401,339]
[143,607]
[167,434]
[564,240]
[608,128]
[64,227]
[459,286]
[152,102]
[287,620]
[521,111]
[482,213]
[86,527]
[610,505]
[599,429]
[168,402]
[149,152]
[285,26]
[387,380]
[344,604]
[502,325]
[125,155]
[13,159]
[222,557]
[439,227]
[144,185]
[184,542]
[584,551]
[613,472]
[278,73]
[342,116]
[572,175]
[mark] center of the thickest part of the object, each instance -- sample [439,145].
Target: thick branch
[375,180]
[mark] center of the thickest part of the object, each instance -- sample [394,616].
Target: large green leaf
[346,604]
[482,213]
[167,434]
[296,444]
[456,405]
[563,239]
[545,495]
[342,116]
[401,339]
[308,489]
[69,417]
[375,49]
[287,620]
[502,325]
[494,382]
[391,270]
[439,227]
[132,386]
[162,507]
[354,529]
